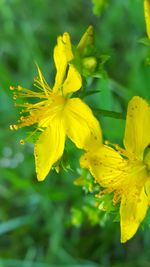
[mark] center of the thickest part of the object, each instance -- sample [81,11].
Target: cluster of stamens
[28,108]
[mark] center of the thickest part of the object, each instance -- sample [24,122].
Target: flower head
[55,114]
[126,172]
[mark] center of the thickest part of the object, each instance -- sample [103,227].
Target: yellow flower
[147,16]
[126,172]
[55,114]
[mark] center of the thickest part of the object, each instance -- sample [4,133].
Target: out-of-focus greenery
[99,5]
[37,219]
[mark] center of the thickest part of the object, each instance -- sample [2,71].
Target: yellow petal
[132,212]
[82,127]
[49,148]
[62,55]
[73,81]
[147,16]
[53,108]
[107,166]
[137,132]
[68,47]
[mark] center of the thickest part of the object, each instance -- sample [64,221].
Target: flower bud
[89,63]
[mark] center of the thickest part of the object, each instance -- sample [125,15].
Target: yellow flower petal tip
[126,172]
[49,148]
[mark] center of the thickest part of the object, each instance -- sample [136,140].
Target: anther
[22,118]
[19,88]
[15,127]
[11,127]
[117,147]
[22,142]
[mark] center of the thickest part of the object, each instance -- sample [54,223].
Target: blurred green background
[36,218]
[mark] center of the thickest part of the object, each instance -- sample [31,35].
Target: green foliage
[96,207]
[99,5]
[36,218]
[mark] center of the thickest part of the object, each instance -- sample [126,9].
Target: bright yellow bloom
[147,16]
[55,114]
[126,172]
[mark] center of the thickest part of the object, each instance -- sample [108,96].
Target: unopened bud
[89,63]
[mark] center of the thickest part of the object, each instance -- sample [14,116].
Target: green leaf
[13,224]
[145,41]
[107,113]
[77,216]
[92,92]
[98,6]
